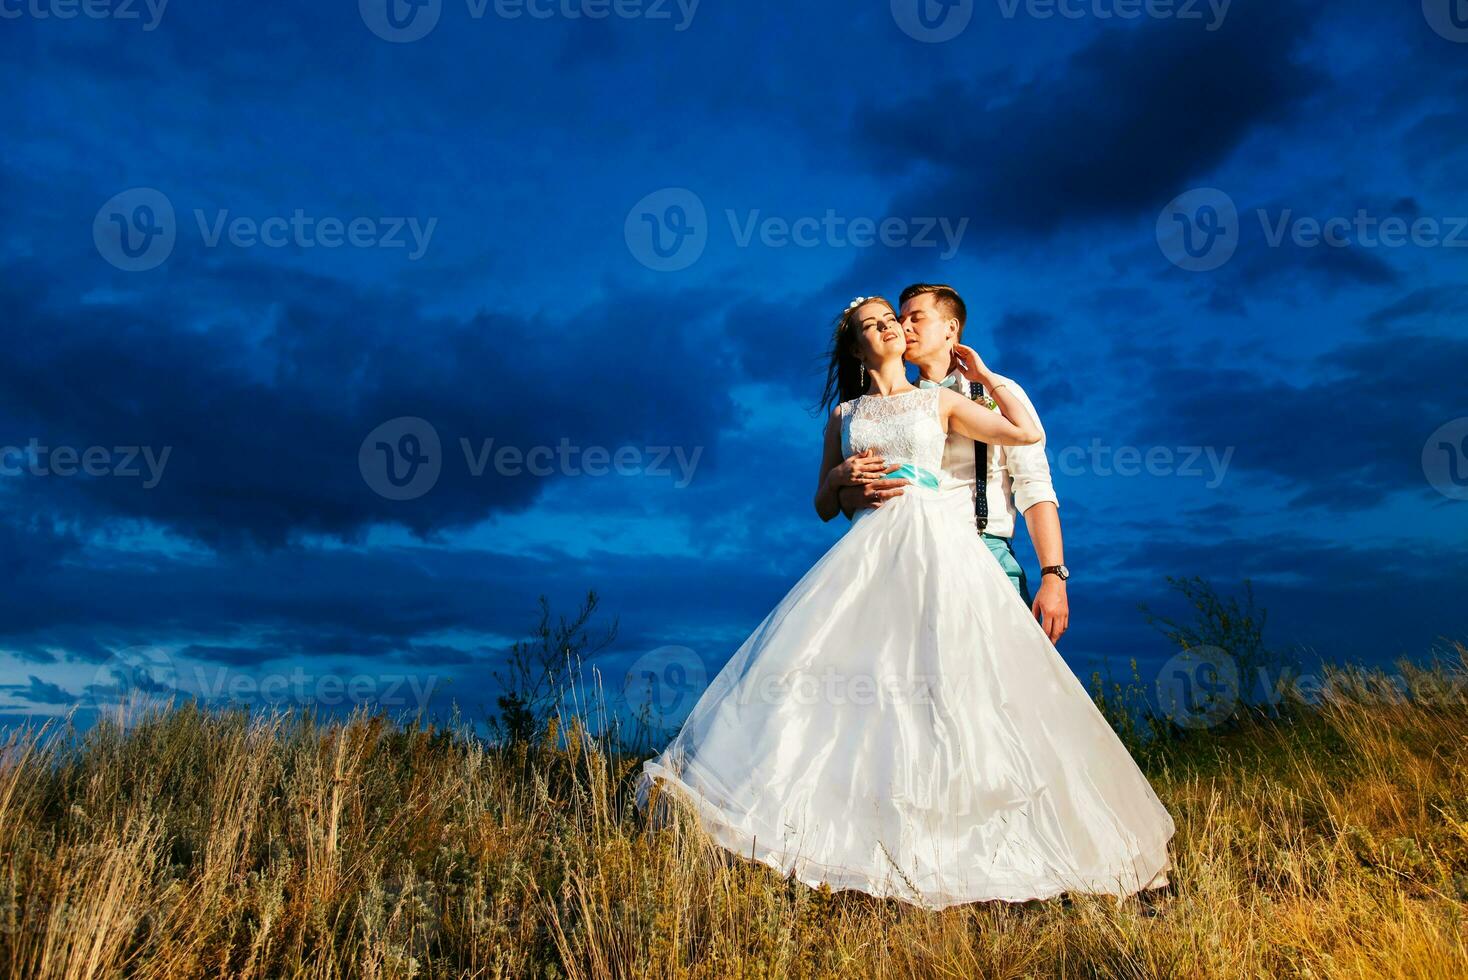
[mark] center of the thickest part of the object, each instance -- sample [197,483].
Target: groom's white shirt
[1019,476]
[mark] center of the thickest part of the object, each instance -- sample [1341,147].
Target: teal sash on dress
[918,475]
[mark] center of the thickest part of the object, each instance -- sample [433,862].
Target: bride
[899,723]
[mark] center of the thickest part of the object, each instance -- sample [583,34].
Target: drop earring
[863,377]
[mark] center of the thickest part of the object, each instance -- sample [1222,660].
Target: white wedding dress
[900,724]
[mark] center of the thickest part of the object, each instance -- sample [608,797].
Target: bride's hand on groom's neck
[967,362]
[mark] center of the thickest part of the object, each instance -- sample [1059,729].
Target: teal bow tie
[949,382]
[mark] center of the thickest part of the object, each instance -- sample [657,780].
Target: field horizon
[1324,839]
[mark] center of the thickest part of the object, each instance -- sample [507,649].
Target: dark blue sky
[336,219]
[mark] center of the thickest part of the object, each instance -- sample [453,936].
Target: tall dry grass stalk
[1331,841]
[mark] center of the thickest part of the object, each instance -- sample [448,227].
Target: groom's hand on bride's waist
[858,468]
[870,495]
[862,481]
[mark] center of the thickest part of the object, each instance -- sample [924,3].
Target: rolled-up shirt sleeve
[1028,466]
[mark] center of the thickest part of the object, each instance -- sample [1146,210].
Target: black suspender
[981,469]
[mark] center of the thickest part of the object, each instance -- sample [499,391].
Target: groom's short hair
[946,298]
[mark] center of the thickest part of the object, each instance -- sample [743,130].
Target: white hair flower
[855,303]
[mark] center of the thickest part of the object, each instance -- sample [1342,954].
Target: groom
[1015,478]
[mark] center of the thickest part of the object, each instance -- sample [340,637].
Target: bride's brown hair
[845,378]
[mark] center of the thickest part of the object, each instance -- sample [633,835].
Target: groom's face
[927,330]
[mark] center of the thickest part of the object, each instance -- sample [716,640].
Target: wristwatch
[1058,570]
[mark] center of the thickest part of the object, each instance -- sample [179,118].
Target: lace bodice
[903,428]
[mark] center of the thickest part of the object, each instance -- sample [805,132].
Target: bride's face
[879,335]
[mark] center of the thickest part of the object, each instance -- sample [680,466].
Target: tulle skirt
[901,725]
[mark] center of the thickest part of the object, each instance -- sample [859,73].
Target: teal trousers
[1003,550]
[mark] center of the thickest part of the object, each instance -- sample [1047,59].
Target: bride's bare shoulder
[947,398]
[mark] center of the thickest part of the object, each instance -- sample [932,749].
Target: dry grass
[1329,842]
